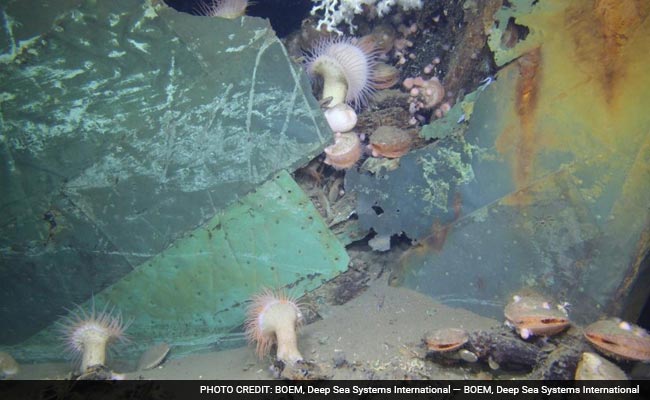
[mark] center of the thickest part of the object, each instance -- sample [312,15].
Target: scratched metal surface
[194,294]
[125,125]
[560,153]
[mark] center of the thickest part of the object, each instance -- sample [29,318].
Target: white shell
[467,355]
[341,118]
[493,364]
[154,356]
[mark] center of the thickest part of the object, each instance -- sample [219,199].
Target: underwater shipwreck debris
[273,318]
[233,129]
[418,195]
[88,335]
[558,147]
[525,328]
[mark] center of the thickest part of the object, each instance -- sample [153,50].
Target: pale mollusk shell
[345,152]
[341,117]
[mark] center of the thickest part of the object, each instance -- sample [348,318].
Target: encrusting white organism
[337,11]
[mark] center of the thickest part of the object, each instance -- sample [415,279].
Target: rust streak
[600,31]
[458,206]
[434,241]
[615,18]
[439,232]
[526,97]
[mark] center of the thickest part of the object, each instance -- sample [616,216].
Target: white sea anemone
[88,334]
[230,9]
[273,319]
[347,68]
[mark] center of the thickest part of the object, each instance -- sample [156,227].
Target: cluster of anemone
[425,94]
[88,334]
[350,73]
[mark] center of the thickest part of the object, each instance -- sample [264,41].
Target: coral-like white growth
[337,11]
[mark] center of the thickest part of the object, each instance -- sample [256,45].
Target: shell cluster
[531,315]
[534,315]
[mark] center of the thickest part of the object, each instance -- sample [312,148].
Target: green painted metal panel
[559,150]
[193,294]
[126,124]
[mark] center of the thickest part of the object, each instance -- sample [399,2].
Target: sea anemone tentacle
[273,317]
[230,9]
[87,334]
[347,67]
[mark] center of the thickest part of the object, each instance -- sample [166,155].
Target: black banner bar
[170,390]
